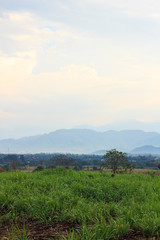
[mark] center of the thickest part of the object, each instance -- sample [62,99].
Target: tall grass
[100,206]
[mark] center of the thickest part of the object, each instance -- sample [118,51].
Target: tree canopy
[116,160]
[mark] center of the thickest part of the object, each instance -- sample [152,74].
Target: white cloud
[53,70]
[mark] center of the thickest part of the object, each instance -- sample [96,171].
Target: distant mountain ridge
[125,125]
[147,149]
[100,152]
[81,141]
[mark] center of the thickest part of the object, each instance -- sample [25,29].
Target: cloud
[6,115]
[54,74]
[143,8]
[24,32]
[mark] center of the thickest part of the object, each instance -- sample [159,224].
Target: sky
[65,63]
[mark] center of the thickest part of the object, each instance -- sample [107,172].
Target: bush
[39,168]
[2,170]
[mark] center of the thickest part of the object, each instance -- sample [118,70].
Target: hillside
[81,141]
[147,149]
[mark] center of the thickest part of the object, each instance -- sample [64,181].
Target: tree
[13,159]
[14,165]
[38,168]
[62,160]
[116,160]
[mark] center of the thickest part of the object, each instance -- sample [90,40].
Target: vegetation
[87,206]
[16,161]
[116,160]
[76,161]
[62,160]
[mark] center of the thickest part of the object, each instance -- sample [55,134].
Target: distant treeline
[19,161]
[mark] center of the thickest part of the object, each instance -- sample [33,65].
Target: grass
[98,207]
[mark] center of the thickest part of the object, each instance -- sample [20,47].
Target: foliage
[38,168]
[78,167]
[14,165]
[139,161]
[100,206]
[2,170]
[62,160]
[115,160]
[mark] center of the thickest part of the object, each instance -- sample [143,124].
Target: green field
[65,204]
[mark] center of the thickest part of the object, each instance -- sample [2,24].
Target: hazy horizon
[70,63]
[113,126]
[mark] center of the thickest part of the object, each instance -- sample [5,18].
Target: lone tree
[116,160]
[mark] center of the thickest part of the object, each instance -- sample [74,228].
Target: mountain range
[124,125]
[81,141]
[147,149]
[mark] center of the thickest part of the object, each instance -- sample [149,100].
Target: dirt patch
[34,230]
[135,235]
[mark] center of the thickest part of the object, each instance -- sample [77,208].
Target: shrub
[38,168]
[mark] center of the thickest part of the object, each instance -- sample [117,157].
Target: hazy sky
[70,62]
